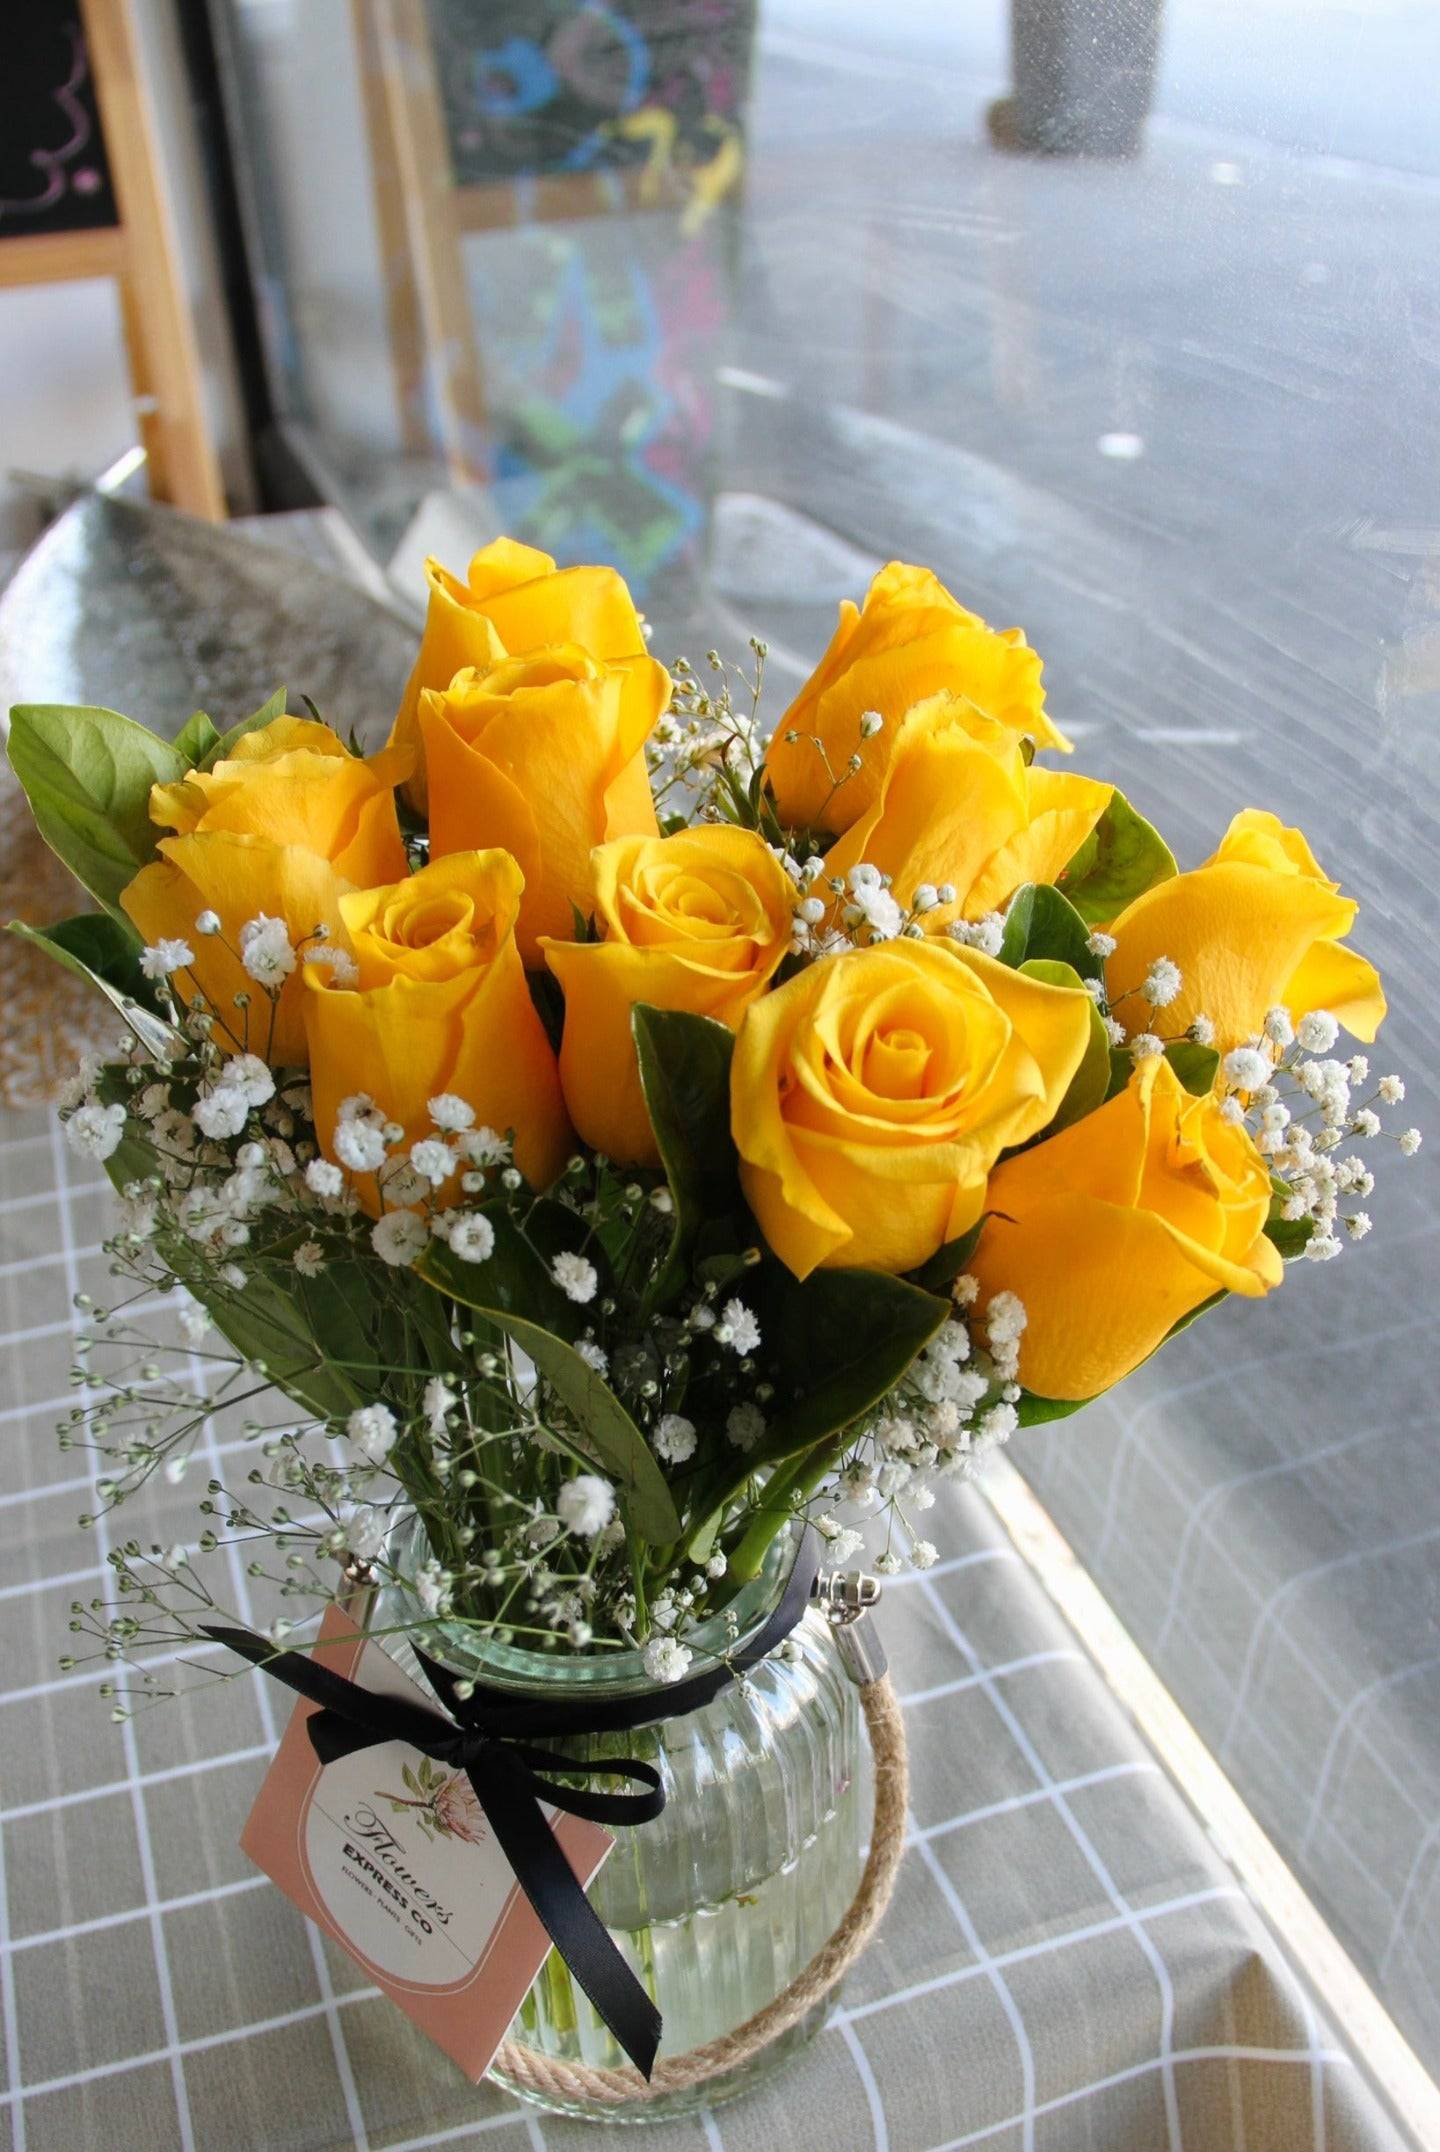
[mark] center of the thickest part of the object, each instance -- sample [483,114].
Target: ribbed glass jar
[728,1894]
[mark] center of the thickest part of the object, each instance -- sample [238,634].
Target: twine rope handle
[549,2077]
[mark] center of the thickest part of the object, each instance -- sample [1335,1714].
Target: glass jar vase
[720,1901]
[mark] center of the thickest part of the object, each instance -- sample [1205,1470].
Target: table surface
[1067,1962]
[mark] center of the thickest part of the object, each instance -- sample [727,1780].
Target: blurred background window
[1124,315]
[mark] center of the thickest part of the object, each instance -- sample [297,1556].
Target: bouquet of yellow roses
[616,1136]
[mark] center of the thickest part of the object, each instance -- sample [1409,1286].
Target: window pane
[750,303]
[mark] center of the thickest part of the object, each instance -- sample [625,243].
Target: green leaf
[1091,1080]
[1194,1065]
[836,1344]
[411,1782]
[196,737]
[945,1266]
[1122,1068]
[516,1277]
[608,1435]
[1121,858]
[105,950]
[87,774]
[1033,1411]
[685,1076]
[225,742]
[1291,1236]
[1042,923]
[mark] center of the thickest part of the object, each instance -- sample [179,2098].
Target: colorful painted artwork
[536,88]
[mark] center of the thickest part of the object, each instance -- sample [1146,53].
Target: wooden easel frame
[431,333]
[140,254]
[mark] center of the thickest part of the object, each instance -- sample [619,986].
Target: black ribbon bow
[491,1735]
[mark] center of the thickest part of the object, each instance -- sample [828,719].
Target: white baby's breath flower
[1366,1122]
[1279,1025]
[1146,1047]
[1409,1140]
[576,1278]
[1246,1068]
[1358,1225]
[434,1159]
[1392,1090]
[745,1424]
[221,1112]
[342,967]
[1357,1068]
[207,923]
[1162,983]
[594,1356]
[251,1077]
[662,1201]
[94,1131]
[309,1259]
[585,1504]
[674,1438]
[372,1430]
[437,1403]
[360,1145]
[366,1529]
[323,1179]
[434,1589]
[159,959]
[738,1328]
[924,1554]
[449,1112]
[1317,1032]
[1202,1031]
[266,950]
[1322,1248]
[1231,1110]
[666,1659]
[1101,945]
[871,722]
[470,1236]
[194,1320]
[399,1237]
[484,1147]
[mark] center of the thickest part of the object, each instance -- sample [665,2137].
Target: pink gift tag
[391,1854]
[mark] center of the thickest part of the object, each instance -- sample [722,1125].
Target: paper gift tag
[391,1854]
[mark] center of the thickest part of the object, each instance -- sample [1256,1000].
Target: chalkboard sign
[537,88]
[54,174]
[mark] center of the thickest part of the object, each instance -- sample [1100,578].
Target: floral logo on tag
[445,1802]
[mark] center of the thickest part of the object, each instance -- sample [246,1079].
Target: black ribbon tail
[561,1906]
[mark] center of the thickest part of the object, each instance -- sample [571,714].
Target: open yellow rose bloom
[910,1070]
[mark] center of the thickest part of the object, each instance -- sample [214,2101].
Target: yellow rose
[1117,1227]
[440,1004]
[909,641]
[543,756]
[957,803]
[1257,926]
[698,921]
[284,825]
[513,600]
[871,1095]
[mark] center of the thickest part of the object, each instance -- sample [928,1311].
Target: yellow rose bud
[909,641]
[957,803]
[1121,1224]
[698,921]
[871,1095]
[544,757]
[1257,926]
[284,825]
[513,600]
[440,1005]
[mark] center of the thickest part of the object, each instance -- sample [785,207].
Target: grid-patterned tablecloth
[1067,1962]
